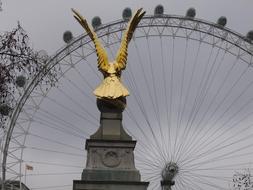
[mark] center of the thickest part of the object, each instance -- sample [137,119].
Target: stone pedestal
[110,158]
[109,185]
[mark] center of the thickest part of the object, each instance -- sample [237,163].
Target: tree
[18,63]
[242,181]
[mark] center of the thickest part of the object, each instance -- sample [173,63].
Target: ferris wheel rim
[55,60]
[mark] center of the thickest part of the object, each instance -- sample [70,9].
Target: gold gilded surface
[111,87]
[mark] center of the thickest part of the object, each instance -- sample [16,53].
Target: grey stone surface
[111,128]
[110,175]
[112,185]
[110,160]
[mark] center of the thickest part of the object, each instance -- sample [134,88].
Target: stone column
[110,159]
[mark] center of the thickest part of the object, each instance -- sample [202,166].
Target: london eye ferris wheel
[191,85]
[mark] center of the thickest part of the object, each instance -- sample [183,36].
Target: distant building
[14,185]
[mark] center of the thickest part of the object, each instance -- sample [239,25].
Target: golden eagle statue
[111,87]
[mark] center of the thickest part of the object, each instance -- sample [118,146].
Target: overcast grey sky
[46,20]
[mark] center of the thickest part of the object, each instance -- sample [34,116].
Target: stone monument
[110,159]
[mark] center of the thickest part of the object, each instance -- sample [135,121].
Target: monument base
[109,185]
[110,160]
[110,157]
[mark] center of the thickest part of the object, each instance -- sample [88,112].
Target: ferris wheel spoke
[56,120]
[226,156]
[187,183]
[218,106]
[143,144]
[192,140]
[204,182]
[214,135]
[141,105]
[54,151]
[199,89]
[78,105]
[71,111]
[168,131]
[226,146]
[52,164]
[231,137]
[194,130]
[190,80]
[138,97]
[179,112]
[54,126]
[81,91]
[156,105]
[190,104]
[55,142]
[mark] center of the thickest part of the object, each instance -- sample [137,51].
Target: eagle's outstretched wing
[121,58]
[103,63]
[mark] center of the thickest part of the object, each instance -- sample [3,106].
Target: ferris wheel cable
[179,113]
[187,182]
[54,151]
[229,92]
[235,100]
[222,101]
[168,148]
[236,113]
[199,89]
[59,129]
[156,169]
[157,112]
[143,110]
[223,156]
[232,136]
[73,112]
[84,58]
[196,182]
[48,116]
[207,86]
[153,178]
[140,103]
[78,105]
[144,151]
[52,174]
[190,80]
[148,162]
[201,102]
[89,97]
[83,78]
[156,106]
[202,181]
[54,118]
[208,152]
[215,160]
[144,146]
[72,65]
[216,177]
[208,107]
[51,164]
[210,104]
[231,167]
[56,142]
[171,90]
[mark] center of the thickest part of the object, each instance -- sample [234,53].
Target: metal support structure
[182,27]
